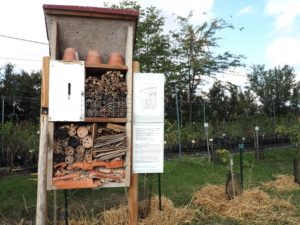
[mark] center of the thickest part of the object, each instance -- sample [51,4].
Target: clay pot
[69,54]
[116,58]
[93,57]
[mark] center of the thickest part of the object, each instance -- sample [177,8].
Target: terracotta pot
[69,54]
[116,59]
[93,57]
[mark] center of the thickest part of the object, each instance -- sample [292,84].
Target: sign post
[241,148]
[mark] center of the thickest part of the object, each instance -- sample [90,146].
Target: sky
[267,31]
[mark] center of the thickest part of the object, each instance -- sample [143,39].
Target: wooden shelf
[105,120]
[106,67]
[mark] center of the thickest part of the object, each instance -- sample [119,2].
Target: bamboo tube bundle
[106,96]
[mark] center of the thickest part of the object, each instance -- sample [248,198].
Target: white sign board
[148,153]
[148,123]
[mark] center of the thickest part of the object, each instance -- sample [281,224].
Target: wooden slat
[53,41]
[90,9]
[106,66]
[129,82]
[94,132]
[133,189]
[45,83]
[113,184]
[105,120]
[41,205]
[50,155]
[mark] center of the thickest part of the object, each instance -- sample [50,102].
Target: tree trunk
[190,110]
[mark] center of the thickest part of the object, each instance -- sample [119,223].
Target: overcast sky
[268,31]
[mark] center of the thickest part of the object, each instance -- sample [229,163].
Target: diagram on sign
[148,95]
[148,99]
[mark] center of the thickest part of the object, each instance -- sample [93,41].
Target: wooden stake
[45,83]
[133,189]
[41,206]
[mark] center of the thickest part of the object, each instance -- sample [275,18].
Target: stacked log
[73,143]
[106,95]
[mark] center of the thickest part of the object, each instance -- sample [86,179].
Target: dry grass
[282,183]
[170,215]
[117,215]
[252,206]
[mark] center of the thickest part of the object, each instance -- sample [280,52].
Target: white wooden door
[66,91]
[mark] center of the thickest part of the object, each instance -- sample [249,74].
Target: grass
[181,178]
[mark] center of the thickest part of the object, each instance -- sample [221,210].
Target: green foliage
[192,131]
[274,87]
[22,139]
[22,92]
[170,134]
[223,156]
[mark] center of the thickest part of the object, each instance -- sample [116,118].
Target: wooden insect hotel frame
[88,103]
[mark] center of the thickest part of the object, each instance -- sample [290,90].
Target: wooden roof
[87,11]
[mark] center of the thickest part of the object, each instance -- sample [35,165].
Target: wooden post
[133,188]
[41,206]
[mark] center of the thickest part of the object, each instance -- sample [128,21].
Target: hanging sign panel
[148,148]
[148,123]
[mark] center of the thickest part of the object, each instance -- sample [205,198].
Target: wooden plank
[113,185]
[94,132]
[133,189]
[90,9]
[50,155]
[106,66]
[53,41]
[105,120]
[41,205]
[129,82]
[116,127]
[45,83]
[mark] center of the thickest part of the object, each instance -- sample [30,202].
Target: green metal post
[178,125]
[66,207]
[159,192]
[204,116]
[241,148]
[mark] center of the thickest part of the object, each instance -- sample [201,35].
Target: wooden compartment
[105,94]
[106,31]
[89,155]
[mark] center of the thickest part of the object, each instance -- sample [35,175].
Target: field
[181,179]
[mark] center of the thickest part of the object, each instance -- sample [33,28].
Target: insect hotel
[87,96]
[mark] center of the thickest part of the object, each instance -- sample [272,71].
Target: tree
[295,101]
[21,92]
[223,100]
[152,47]
[273,87]
[246,104]
[228,102]
[192,53]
